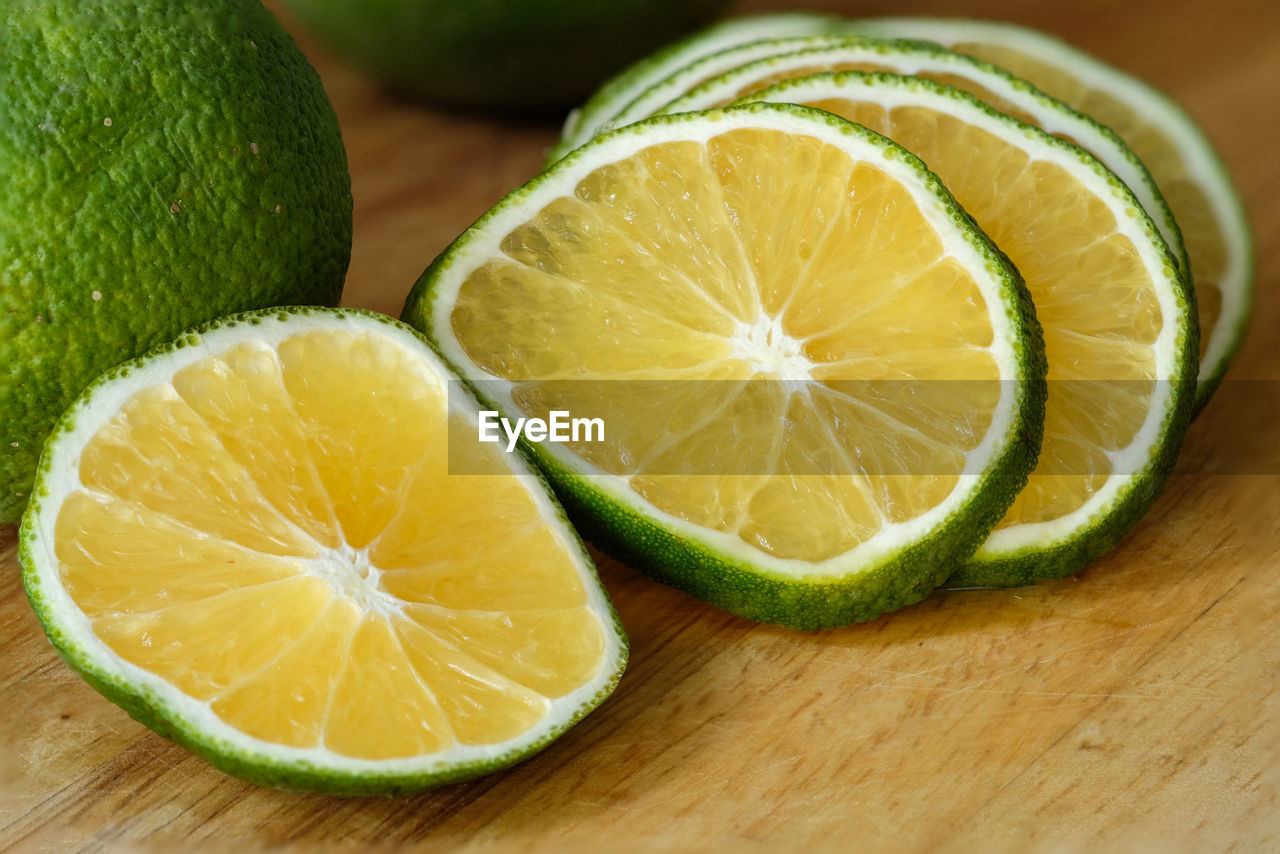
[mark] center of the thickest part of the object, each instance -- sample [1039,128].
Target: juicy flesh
[1201,231]
[271,533]
[723,303]
[1094,298]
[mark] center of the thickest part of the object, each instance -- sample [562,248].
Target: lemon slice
[801,57]
[1119,321]
[1181,159]
[821,384]
[601,110]
[251,541]
[707,68]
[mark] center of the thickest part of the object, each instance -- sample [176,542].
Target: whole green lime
[161,164]
[526,55]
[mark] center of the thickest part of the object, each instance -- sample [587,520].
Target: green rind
[1208,382]
[702,571]
[914,46]
[161,164]
[604,103]
[1072,554]
[1031,565]
[1110,525]
[152,710]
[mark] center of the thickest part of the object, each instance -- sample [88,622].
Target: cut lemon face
[1119,322]
[601,111]
[991,85]
[820,384]
[250,539]
[1171,144]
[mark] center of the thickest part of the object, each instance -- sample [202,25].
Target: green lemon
[160,164]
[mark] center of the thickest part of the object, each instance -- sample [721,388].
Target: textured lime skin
[513,54]
[148,708]
[161,164]
[646,544]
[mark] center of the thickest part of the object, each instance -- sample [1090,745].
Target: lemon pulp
[272,533]
[1095,298]
[765,313]
[1203,235]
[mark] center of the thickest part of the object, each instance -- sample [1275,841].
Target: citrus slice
[1119,321]
[992,85]
[616,93]
[820,383]
[250,540]
[703,69]
[1181,159]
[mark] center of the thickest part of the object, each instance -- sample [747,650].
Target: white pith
[769,350]
[352,575]
[484,243]
[1050,114]
[585,123]
[1200,161]
[1140,454]
[347,569]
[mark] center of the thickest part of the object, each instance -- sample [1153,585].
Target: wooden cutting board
[1132,708]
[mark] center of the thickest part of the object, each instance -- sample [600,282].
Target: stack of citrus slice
[1115,294]
[601,111]
[1181,161]
[800,57]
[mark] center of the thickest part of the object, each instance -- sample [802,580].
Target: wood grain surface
[1130,709]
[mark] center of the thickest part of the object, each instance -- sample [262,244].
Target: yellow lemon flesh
[259,532]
